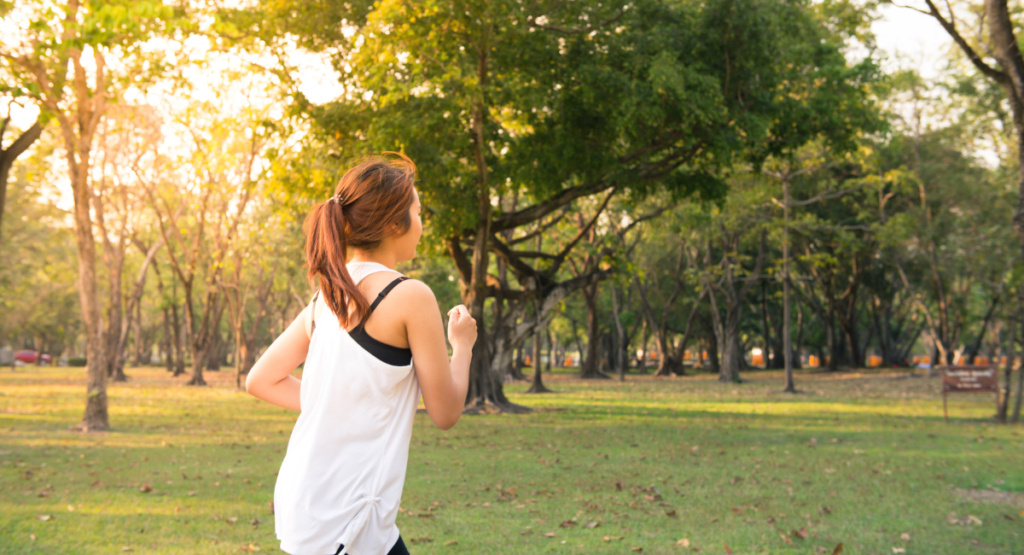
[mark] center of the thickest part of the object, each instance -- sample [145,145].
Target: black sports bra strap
[384,293]
[312,313]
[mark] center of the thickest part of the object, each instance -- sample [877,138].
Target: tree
[559,101]
[999,45]
[49,60]
[199,220]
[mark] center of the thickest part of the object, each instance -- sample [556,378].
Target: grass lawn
[862,459]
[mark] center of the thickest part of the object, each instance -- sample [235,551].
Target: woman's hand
[461,329]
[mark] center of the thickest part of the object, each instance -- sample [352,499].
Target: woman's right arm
[444,382]
[270,378]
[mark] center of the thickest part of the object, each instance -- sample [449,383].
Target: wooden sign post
[968,379]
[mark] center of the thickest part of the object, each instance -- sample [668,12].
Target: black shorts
[398,549]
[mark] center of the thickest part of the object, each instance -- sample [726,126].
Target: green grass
[857,459]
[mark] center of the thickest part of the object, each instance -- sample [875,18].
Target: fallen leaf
[670,513]
[801,533]
[254,521]
[45,517]
[838,550]
[525,532]
[593,524]
[637,549]
[145,488]
[611,538]
[250,547]
[271,505]
[71,508]
[727,550]
[952,519]
[231,520]
[898,550]
[126,548]
[191,494]
[619,485]
[971,519]
[566,524]
[683,542]
[786,539]
[450,543]
[905,537]
[421,540]
[549,534]
[32,537]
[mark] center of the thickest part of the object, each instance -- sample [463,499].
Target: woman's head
[375,206]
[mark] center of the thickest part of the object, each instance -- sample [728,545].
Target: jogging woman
[341,480]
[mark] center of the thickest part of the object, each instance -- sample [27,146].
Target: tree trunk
[1003,405]
[96,416]
[591,362]
[973,351]
[167,340]
[620,333]
[11,153]
[537,382]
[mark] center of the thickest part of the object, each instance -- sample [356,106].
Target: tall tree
[72,58]
[561,101]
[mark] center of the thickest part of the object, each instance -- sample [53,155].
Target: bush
[77,361]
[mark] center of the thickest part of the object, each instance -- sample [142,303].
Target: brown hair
[368,199]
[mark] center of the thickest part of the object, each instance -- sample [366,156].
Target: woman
[341,480]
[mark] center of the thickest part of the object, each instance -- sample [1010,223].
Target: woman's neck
[379,256]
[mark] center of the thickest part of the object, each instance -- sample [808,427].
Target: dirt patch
[988,496]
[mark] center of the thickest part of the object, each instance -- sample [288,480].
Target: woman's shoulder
[414,290]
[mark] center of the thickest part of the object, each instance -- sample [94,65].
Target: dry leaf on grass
[611,538]
[145,488]
[727,550]
[683,542]
[838,550]
[549,534]
[45,517]
[801,533]
[637,549]
[905,537]
[593,524]
[450,543]
[249,547]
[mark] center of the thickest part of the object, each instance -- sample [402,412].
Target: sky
[911,39]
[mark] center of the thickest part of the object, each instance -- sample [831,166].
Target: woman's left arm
[270,378]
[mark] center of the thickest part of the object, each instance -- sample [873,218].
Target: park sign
[968,379]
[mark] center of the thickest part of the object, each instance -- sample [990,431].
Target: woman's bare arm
[270,378]
[443,382]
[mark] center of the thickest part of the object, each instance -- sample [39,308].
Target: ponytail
[368,199]
[327,253]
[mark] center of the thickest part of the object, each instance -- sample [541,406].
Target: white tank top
[342,476]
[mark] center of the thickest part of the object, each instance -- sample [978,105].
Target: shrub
[77,361]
